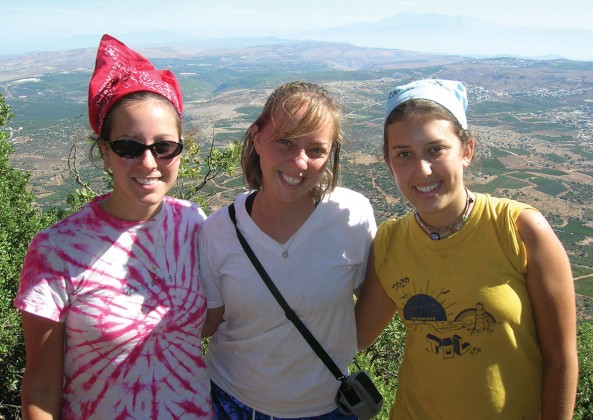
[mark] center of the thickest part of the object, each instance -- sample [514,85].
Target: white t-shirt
[132,332]
[257,355]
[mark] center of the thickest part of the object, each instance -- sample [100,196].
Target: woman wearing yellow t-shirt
[482,285]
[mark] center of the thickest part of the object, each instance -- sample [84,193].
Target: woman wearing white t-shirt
[312,238]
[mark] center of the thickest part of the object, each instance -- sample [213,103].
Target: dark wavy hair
[424,109]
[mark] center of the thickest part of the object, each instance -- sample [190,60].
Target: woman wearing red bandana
[110,297]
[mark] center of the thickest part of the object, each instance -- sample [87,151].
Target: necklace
[285,250]
[441,233]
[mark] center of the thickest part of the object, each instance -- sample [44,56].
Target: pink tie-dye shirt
[133,307]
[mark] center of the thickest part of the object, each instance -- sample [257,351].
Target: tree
[20,220]
[196,172]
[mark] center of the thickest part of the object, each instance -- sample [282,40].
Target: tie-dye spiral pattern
[133,307]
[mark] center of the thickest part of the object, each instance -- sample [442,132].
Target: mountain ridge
[467,36]
[339,55]
[418,32]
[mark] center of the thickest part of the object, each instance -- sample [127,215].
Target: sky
[49,25]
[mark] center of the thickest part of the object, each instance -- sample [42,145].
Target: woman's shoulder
[354,204]
[390,234]
[180,202]
[185,209]
[218,215]
[81,225]
[221,215]
[348,198]
[85,216]
[502,205]
[344,192]
[396,222]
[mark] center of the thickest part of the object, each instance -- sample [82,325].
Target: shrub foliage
[20,220]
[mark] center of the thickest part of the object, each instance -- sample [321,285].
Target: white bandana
[449,93]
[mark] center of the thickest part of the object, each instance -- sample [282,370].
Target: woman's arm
[213,320]
[41,393]
[551,289]
[374,309]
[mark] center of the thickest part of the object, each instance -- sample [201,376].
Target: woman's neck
[279,219]
[444,230]
[129,211]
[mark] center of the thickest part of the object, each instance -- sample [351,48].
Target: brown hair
[424,109]
[280,109]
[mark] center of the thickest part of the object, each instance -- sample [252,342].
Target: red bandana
[120,71]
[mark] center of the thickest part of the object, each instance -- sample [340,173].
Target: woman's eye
[316,151]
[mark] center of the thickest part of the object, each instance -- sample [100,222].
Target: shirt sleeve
[368,219]
[42,289]
[210,281]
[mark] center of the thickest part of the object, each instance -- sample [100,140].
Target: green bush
[382,361]
[20,220]
[584,403]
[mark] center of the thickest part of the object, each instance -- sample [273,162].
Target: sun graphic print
[447,332]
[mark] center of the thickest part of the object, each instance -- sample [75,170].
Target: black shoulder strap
[290,314]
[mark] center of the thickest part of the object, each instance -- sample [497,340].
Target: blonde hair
[280,109]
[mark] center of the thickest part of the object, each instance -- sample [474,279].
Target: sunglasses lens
[130,149]
[127,149]
[167,149]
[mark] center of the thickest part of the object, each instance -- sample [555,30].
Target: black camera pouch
[358,396]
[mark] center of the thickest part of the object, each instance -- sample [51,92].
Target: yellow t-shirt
[471,346]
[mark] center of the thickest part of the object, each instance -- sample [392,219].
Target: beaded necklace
[441,233]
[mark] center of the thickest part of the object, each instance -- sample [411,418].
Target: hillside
[533,120]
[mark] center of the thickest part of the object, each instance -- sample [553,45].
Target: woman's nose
[148,159]
[424,167]
[301,160]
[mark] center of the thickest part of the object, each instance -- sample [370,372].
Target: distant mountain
[292,54]
[461,35]
[423,33]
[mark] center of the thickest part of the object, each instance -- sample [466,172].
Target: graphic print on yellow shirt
[448,333]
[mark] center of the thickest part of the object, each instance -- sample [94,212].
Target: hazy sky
[38,25]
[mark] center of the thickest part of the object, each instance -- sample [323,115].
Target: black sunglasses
[131,149]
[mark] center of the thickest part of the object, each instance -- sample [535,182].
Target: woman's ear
[468,152]
[105,154]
